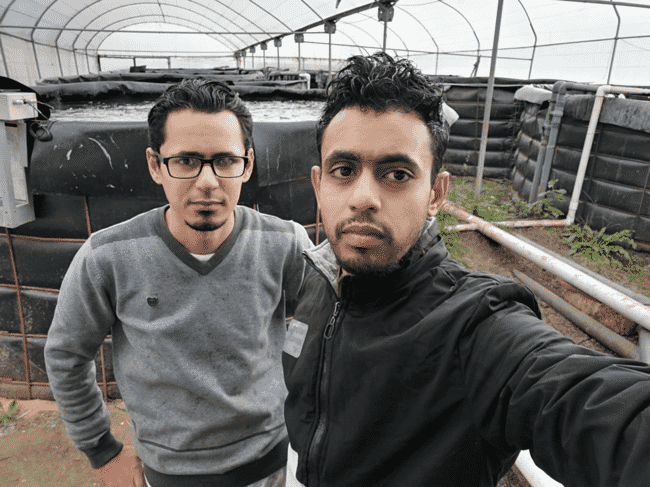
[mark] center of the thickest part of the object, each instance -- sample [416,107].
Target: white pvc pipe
[625,305]
[586,151]
[534,475]
[644,345]
[589,140]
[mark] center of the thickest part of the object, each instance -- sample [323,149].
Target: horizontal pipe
[533,474]
[585,322]
[626,306]
[510,223]
[641,298]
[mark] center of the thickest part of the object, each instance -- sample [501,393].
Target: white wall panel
[20,58]
[48,62]
[67,61]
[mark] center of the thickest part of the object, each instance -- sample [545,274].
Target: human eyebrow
[201,155]
[393,159]
[338,156]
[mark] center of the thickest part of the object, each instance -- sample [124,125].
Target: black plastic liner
[616,189]
[92,175]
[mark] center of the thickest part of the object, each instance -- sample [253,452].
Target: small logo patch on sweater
[295,338]
[152,301]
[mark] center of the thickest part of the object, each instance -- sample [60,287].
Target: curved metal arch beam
[131,21]
[312,9]
[141,3]
[332,18]
[354,43]
[406,48]
[478,42]
[31,36]
[7,9]
[269,13]
[151,3]
[239,14]
[532,28]
[361,48]
[78,13]
[428,32]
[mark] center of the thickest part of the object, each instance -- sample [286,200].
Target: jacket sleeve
[584,415]
[82,319]
[295,267]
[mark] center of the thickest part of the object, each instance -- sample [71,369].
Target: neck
[199,242]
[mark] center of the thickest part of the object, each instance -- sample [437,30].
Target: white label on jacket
[295,338]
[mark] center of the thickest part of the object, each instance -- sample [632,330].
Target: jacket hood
[427,252]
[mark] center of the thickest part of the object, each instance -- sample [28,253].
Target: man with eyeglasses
[194,295]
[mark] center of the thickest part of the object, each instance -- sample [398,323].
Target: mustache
[363,219]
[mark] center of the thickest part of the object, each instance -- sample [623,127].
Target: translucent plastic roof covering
[566,39]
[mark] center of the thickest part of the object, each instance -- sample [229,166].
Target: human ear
[315,182]
[154,166]
[438,193]
[249,167]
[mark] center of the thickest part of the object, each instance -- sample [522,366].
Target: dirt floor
[35,452]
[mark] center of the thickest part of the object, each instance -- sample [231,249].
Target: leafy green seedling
[600,247]
[12,412]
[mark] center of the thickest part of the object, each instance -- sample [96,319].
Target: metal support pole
[299,55]
[38,68]
[385,34]
[488,103]
[4,60]
[278,48]
[329,57]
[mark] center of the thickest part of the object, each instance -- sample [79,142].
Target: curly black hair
[380,83]
[203,95]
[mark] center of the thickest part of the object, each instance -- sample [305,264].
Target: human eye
[341,171]
[226,161]
[398,176]
[184,161]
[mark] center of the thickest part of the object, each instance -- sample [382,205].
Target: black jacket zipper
[321,420]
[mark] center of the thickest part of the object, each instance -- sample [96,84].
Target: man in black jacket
[403,368]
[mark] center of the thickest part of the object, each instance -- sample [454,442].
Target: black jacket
[434,376]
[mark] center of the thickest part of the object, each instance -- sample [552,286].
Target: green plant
[452,238]
[12,412]
[543,206]
[490,204]
[600,247]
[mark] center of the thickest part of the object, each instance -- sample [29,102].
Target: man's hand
[125,470]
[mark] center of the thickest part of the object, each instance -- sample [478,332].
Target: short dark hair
[378,82]
[203,95]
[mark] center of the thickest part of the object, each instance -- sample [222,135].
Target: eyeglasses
[186,167]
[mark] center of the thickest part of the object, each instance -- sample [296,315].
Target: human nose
[207,177]
[365,193]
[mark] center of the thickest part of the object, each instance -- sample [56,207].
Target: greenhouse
[548,104]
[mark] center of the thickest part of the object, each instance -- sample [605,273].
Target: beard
[363,264]
[205,226]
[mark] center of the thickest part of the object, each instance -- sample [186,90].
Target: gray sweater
[196,346]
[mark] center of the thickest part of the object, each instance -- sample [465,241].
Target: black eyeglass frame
[165,161]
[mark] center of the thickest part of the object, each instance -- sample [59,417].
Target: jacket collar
[429,250]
